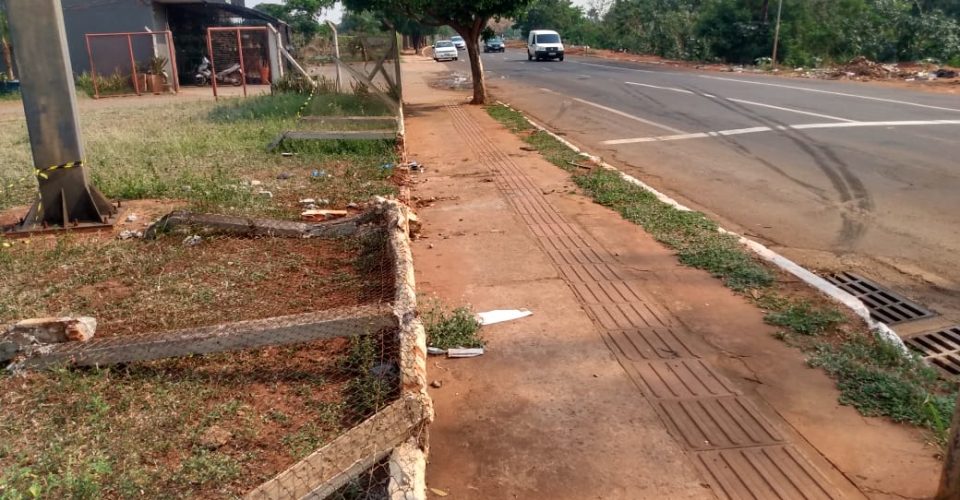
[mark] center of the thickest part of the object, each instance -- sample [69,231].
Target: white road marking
[805,126]
[621,113]
[791,110]
[617,67]
[741,101]
[672,89]
[843,94]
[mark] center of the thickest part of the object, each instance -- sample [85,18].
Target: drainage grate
[884,305]
[940,348]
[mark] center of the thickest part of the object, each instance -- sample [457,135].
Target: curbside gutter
[810,278]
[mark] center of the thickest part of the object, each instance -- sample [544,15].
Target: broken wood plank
[329,468]
[348,135]
[281,330]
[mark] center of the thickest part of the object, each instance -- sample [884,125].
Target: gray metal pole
[336,52]
[776,36]
[50,104]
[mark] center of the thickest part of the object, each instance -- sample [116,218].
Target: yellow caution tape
[42,173]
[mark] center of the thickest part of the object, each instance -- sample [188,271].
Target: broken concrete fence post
[37,332]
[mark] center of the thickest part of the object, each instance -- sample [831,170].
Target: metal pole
[173,63]
[950,477]
[133,65]
[65,196]
[93,70]
[776,36]
[336,53]
[213,68]
[396,65]
[243,72]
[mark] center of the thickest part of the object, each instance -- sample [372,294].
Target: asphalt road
[836,175]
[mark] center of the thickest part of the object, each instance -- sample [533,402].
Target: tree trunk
[950,477]
[472,39]
[7,57]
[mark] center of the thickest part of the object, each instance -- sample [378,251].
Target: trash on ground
[192,240]
[439,493]
[318,174]
[321,215]
[255,183]
[436,384]
[132,218]
[128,234]
[461,352]
[436,351]
[284,176]
[286,153]
[501,315]
[266,194]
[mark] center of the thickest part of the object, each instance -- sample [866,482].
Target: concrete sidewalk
[635,377]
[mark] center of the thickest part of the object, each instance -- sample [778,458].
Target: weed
[205,467]
[877,379]
[373,380]
[804,318]
[458,328]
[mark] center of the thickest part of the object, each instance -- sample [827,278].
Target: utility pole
[66,199]
[950,477]
[776,36]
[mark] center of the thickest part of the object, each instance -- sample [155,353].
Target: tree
[466,17]
[301,15]
[5,45]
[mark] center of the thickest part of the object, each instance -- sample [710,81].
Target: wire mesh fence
[238,57]
[315,403]
[132,63]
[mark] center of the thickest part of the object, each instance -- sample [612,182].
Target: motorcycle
[230,76]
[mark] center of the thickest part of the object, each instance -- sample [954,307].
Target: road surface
[837,175]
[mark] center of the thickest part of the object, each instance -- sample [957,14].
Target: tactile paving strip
[738,451]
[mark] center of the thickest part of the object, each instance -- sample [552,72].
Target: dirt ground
[548,411]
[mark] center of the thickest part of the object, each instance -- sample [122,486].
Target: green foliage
[802,317]
[301,15]
[878,380]
[458,328]
[374,382]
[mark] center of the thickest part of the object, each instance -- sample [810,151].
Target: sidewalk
[635,377]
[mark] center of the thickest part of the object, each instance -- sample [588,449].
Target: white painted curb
[783,263]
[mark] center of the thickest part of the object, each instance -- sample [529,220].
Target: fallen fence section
[398,431]
[336,464]
[245,226]
[238,336]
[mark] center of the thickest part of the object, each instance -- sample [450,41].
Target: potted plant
[156,75]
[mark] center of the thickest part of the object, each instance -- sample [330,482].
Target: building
[187,20]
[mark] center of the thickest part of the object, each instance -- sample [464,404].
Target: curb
[823,286]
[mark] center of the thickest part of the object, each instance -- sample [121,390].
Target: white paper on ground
[459,352]
[501,315]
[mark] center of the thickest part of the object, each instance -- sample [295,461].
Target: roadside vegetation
[204,426]
[813,32]
[451,328]
[873,376]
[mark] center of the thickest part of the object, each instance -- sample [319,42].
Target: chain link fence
[363,348]
[123,64]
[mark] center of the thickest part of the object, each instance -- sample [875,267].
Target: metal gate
[239,56]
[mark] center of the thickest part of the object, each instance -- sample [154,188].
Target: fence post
[133,66]
[243,71]
[93,70]
[396,65]
[336,52]
[213,68]
[274,53]
[173,63]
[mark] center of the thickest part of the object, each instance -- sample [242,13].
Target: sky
[336,13]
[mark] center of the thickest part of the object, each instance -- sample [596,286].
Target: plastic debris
[436,351]
[192,240]
[501,315]
[460,352]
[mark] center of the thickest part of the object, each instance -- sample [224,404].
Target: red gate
[245,48]
[126,59]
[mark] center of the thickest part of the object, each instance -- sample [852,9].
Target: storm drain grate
[940,348]
[884,305]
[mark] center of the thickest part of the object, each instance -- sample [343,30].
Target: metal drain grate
[884,305]
[940,348]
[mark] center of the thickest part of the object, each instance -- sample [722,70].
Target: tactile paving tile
[648,343]
[681,378]
[627,316]
[711,423]
[768,472]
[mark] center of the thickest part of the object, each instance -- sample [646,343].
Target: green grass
[878,380]
[872,375]
[802,317]
[374,378]
[448,329]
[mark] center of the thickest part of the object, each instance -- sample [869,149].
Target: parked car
[494,44]
[445,50]
[458,42]
[544,44]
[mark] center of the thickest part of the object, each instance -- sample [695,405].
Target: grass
[449,329]
[873,376]
[10,96]
[139,430]
[374,375]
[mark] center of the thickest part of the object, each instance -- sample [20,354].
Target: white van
[544,44]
